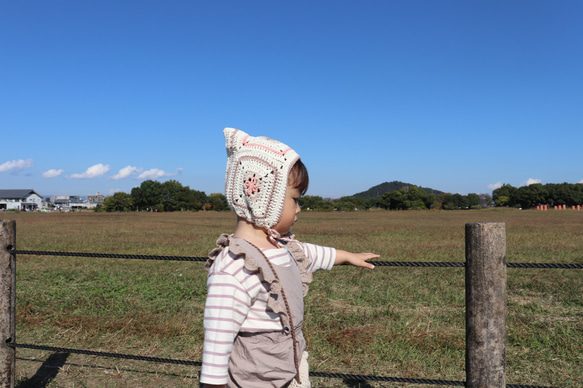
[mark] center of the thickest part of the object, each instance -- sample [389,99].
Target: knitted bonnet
[256,177]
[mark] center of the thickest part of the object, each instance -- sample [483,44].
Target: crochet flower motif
[251,185]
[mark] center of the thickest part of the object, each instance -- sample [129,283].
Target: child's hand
[355,259]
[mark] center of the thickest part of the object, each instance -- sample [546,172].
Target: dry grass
[402,322]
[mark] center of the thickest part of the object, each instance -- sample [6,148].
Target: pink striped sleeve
[227,306]
[320,257]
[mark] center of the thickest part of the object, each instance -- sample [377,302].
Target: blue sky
[459,96]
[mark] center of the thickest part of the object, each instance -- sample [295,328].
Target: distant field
[397,322]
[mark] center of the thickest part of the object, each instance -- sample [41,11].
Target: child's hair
[298,177]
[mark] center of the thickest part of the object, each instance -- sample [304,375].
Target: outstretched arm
[355,259]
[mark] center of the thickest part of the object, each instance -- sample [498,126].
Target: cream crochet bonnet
[256,177]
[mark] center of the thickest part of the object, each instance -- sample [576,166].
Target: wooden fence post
[7,303]
[485,305]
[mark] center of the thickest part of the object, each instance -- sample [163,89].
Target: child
[259,275]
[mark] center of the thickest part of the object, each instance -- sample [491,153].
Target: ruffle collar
[253,262]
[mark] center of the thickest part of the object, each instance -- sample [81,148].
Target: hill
[383,188]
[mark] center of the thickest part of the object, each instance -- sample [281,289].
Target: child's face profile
[291,208]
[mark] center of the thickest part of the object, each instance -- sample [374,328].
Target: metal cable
[312,374]
[463,264]
[387,379]
[524,386]
[544,265]
[407,380]
[375,263]
[104,354]
[417,264]
[108,255]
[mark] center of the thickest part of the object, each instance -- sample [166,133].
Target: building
[96,199]
[29,200]
[24,200]
[75,202]
[60,201]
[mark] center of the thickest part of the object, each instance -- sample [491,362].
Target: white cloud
[530,181]
[52,173]
[494,186]
[126,172]
[92,172]
[155,173]
[16,165]
[581,181]
[113,191]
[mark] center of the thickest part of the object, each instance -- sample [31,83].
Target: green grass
[392,321]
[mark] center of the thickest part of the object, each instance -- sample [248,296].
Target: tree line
[173,196]
[409,197]
[159,197]
[530,196]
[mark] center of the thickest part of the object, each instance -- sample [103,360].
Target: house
[24,200]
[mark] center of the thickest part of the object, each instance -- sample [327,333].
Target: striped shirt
[237,301]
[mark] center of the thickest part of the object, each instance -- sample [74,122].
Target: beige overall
[266,359]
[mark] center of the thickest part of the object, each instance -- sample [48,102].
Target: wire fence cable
[375,263]
[313,374]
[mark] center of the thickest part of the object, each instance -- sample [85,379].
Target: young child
[259,275]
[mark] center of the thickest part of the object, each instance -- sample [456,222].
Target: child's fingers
[370,256]
[368,265]
[365,257]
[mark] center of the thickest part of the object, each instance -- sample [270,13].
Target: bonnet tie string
[275,238]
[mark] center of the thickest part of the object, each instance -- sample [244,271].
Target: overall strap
[291,323]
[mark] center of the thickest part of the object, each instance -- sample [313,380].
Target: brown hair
[298,177]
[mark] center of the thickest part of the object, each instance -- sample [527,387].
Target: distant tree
[148,195]
[185,199]
[565,194]
[314,202]
[346,204]
[360,203]
[377,191]
[189,199]
[408,197]
[218,202]
[577,191]
[169,197]
[384,201]
[415,198]
[119,202]
[505,195]
[473,200]
[447,202]
[157,208]
[460,201]
[200,199]
[393,200]
[555,194]
[531,195]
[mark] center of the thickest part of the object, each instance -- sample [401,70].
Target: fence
[485,278]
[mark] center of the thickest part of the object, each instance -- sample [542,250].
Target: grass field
[395,322]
